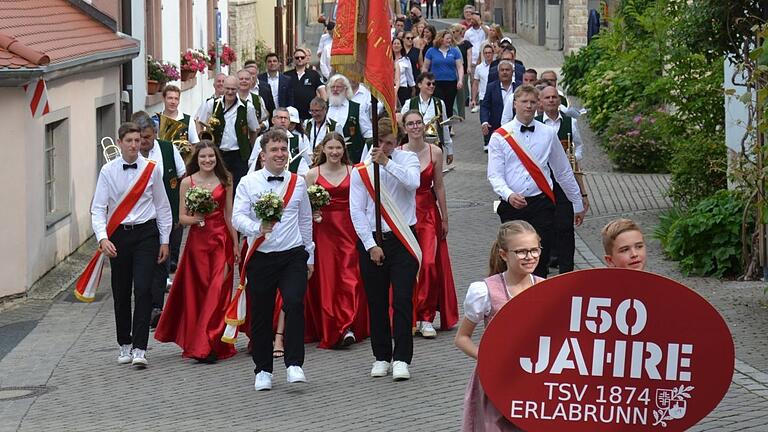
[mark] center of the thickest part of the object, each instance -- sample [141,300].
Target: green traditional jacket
[170,178]
[413,104]
[241,128]
[566,126]
[353,134]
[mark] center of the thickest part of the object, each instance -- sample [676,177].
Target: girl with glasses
[514,255]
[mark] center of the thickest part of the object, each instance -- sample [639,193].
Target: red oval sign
[606,350]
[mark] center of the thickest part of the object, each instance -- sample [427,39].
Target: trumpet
[431,131]
[110,151]
[213,123]
[570,151]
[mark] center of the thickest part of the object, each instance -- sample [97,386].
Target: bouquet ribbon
[237,310]
[85,287]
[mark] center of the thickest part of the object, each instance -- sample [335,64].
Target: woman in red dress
[201,291]
[335,302]
[435,290]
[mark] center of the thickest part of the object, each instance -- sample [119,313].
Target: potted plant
[155,75]
[192,62]
[227,55]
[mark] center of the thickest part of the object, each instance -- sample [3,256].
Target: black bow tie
[129,166]
[524,128]
[275,178]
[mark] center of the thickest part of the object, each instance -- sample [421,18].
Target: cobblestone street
[63,351]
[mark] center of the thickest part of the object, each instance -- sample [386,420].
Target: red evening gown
[335,299]
[435,290]
[193,317]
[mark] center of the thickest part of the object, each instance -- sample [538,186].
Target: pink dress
[479,413]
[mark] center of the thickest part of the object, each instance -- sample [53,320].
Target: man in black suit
[279,83]
[260,88]
[508,52]
[497,94]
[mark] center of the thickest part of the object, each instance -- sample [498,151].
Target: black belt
[229,151]
[390,235]
[529,198]
[127,227]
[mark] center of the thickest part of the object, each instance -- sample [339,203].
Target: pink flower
[633,133]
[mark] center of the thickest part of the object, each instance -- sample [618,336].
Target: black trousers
[236,165]
[565,236]
[399,271]
[540,212]
[446,90]
[177,233]
[403,94]
[266,272]
[163,269]
[132,271]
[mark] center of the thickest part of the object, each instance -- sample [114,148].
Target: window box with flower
[192,62]
[227,56]
[159,73]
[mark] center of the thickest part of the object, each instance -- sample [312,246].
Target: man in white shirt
[137,246]
[285,260]
[477,34]
[236,128]
[245,93]
[567,132]
[173,169]
[171,99]
[430,106]
[354,118]
[299,150]
[525,186]
[389,263]
[319,125]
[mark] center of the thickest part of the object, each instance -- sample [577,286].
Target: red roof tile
[33,31]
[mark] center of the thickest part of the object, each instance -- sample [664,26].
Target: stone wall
[250,21]
[575,17]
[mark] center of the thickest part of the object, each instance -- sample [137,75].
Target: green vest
[563,101]
[414,105]
[566,126]
[293,150]
[170,178]
[257,105]
[241,128]
[353,134]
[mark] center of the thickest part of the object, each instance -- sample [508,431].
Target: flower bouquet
[318,198]
[200,201]
[268,207]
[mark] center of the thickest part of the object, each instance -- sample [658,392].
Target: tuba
[175,132]
[110,151]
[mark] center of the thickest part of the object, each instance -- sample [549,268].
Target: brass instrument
[431,132]
[176,132]
[213,123]
[110,151]
[570,151]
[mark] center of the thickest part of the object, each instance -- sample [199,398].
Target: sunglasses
[429,83]
[300,57]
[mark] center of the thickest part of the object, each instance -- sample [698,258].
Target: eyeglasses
[408,37]
[429,83]
[523,253]
[299,57]
[413,124]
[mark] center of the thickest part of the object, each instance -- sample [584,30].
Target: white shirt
[315,134]
[262,115]
[325,39]
[507,174]
[406,72]
[481,75]
[274,84]
[578,146]
[306,156]
[156,155]
[476,36]
[294,228]
[400,178]
[113,182]
[427,110]
[363,97]
[325,62]
[229,137]
[339,115]
[477,304]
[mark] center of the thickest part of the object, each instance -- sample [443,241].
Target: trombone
[110,151]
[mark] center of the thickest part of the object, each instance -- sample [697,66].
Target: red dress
[193,317]
[335,299]
[435,290]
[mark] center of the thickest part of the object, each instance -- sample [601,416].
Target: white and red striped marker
[37,97]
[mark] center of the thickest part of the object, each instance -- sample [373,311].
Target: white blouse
[406,72]
[477,304]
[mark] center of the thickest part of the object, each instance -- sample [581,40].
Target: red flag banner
[379,65]
[344,48]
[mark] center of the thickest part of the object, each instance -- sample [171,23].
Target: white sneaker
[427,330]
[295,374]
[139,358]
[485,148]
[475,109]
[348,339]
[400,371]
[125,356]
[263,381]
[380,368]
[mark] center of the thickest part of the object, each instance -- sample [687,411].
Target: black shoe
[154,318]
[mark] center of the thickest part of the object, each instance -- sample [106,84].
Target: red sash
[236,311]
[85,288]
[529,163]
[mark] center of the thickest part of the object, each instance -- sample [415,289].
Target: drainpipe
[127,67]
